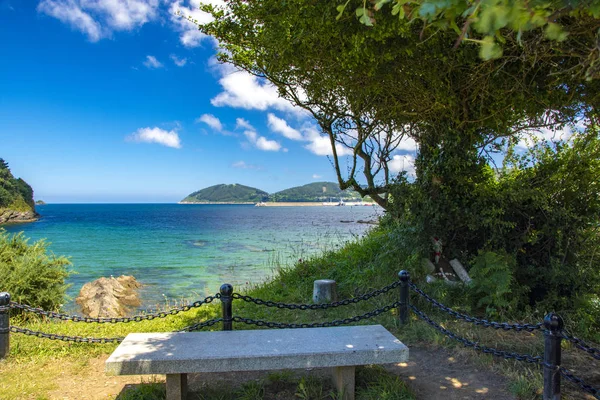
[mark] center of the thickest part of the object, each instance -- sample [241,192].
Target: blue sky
[122,101]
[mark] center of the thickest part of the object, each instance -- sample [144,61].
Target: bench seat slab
[254,350]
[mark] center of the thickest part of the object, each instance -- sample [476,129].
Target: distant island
[40,203]
[312,193]
[16,198]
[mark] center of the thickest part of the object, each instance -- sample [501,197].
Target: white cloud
[315,176]
[251,135]
[261,142]
[152,63]
[180,62]
[241,123]
[243,90]
[279,125]
[211,121]
[530,138]
[70,13]
[402,163]
[321,146]
[155,135]
[180,11]
[407,144]
[98,19]
[267,145]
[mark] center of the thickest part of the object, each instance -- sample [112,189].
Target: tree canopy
[15,193]
[368,88]
[490,23]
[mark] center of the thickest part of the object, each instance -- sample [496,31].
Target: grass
[358,267]
[372,383]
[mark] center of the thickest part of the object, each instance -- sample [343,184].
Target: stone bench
[178,354]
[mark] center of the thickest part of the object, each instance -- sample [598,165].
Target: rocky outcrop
[11,216]
[109,297]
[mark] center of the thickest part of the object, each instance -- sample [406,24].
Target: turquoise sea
[187,251]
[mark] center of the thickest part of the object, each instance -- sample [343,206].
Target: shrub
[30,273]
[493,279]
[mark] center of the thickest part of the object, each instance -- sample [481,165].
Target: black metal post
[4,324]
[226,301]
[552,353]
[404,278]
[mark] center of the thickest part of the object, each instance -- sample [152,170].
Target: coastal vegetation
[236,193]
[16,197]
[358,267]
[223,193]
[520,213]
[316,191]
[31,273]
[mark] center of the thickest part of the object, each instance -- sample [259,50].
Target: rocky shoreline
[14,217]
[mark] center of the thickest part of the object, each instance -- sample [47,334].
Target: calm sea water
[187,251]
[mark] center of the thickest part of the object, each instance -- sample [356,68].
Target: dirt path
[432,374]
[438,374]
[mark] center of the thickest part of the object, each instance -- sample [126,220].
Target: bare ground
[431,374]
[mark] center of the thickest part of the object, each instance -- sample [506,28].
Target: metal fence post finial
[4,324]
[226,303]
[404,278]
[552,355]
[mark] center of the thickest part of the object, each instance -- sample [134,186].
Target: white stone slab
[254,350]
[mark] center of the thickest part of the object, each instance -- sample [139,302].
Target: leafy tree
[30,273]
[367,87]
[14,193]
[490,23]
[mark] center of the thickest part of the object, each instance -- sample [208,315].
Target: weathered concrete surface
[324,291]
[109,297]
[256,350]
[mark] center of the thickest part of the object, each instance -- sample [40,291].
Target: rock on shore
[11,216]
[109,297]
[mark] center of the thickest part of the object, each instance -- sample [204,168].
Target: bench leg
[176,386]
[343,379]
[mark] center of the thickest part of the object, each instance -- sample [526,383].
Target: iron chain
[56,336]
[581,345]
[476,346]
[345,321]
[323,306]
[201,325]
[568,375]
[477,321]
[113,320]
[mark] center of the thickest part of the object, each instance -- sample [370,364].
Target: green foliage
[15,194]
[375,383]
[531,227]
[493,279]
[310,388]
[30,273]
[317,191]
[235,193]
[253,390]
[150,390]
[495,21]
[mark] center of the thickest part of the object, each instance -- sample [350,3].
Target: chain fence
[476,321]
[338,322]
[476,346]
[581,345]
[226,297]
[323,306]
[111,320]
